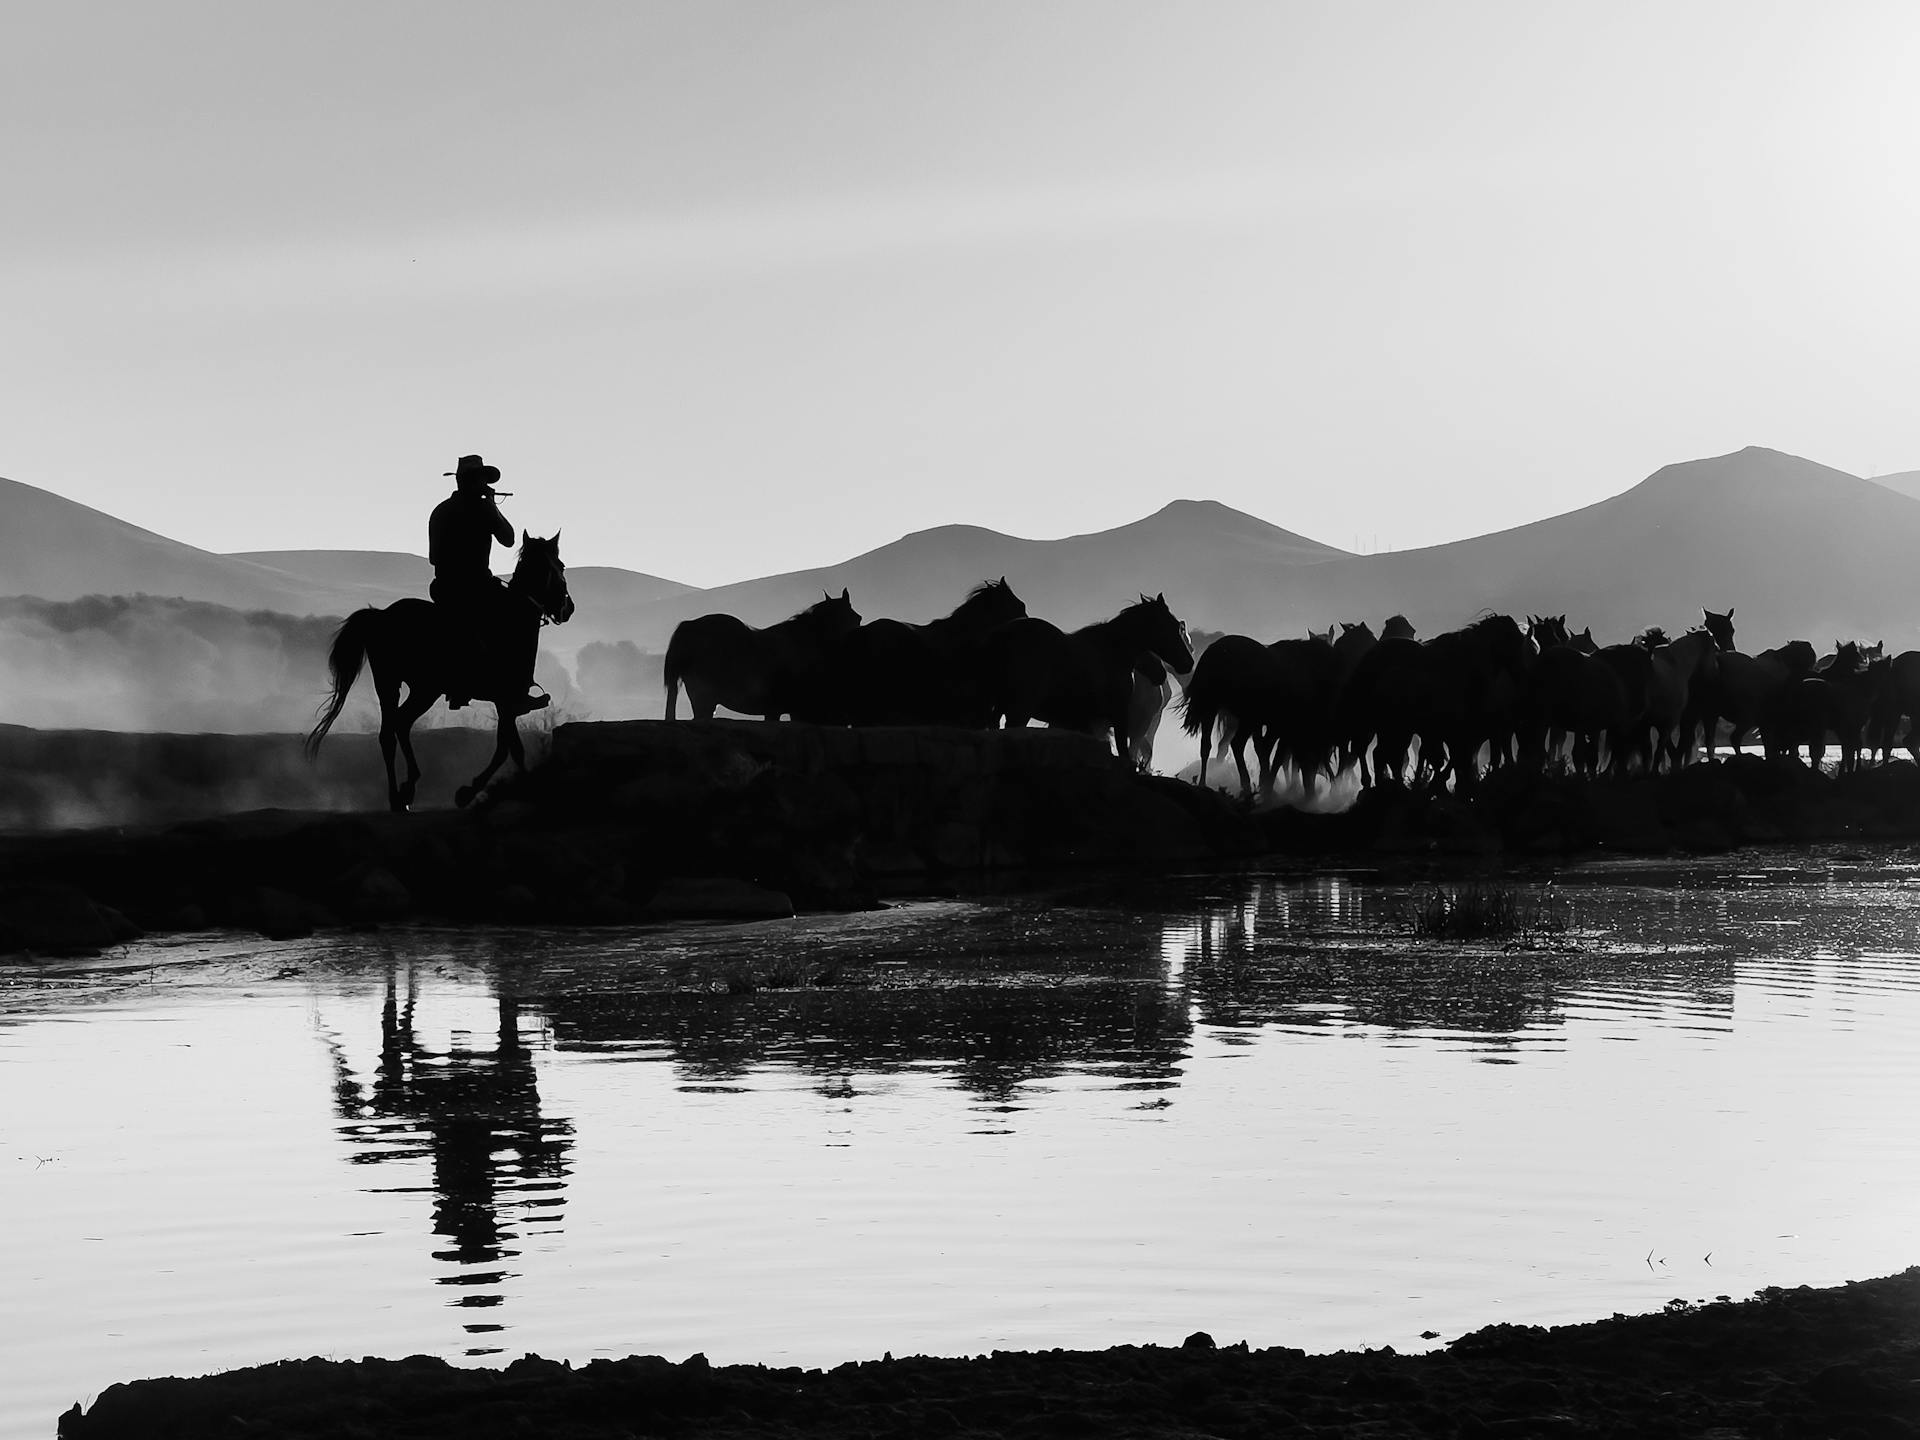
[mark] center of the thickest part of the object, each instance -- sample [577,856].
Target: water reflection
[1115,987]
[991,1039]
[1325,952]
[499,1165]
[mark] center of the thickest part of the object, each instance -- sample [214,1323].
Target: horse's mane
[817,605]
[1145,602]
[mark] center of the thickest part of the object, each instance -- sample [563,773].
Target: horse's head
[1584,642]
[542,578]
[991,604]
[1398,627]
[1548,630]
[1651,639]
[1720,627]
[832,617]
[1325,637]
[1162,632]
[1846,658]
[1354,639]
[1507,644]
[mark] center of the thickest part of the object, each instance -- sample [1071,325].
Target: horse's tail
[344,659]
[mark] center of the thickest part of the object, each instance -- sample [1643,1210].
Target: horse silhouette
[784,669]
[1454,693]
[1296,726]
[889,672]
[1899,700]
[1236,684]
[1679,666]
[1152,691]
[1743,688]
[1839,702]
[408,644]
[1299,731]
[1573,695]
[1082,679]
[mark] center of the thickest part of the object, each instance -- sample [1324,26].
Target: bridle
[543,609]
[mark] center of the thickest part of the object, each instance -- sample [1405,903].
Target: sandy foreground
[1840,1362]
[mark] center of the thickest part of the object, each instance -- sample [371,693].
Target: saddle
[479,647]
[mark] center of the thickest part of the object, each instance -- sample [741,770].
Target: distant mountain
[1209,558]
[389,572]
[1797,548]
[386,575]
[1905,482]
[56,549]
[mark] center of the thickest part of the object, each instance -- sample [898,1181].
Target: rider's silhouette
[460,536]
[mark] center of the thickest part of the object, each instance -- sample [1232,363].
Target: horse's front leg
[507,741]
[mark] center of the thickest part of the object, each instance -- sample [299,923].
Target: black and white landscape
[1199,720]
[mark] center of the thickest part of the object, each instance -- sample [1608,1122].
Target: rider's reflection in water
[499,1165]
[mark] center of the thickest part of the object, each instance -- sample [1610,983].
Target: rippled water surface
[1247,1104]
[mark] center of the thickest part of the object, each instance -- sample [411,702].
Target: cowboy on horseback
[460,536]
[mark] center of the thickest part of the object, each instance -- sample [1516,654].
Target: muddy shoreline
[1840,1361]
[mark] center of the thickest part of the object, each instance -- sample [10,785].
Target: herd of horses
[986,664]
[1392,707]
[1395,708]
[1536,695]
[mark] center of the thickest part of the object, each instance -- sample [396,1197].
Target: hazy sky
[729,288]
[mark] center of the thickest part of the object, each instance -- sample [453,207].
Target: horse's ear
[845,594]
[556,538]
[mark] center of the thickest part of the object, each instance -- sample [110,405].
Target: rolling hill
[55,549]
[386,575]
[1798,548]
[1208,557]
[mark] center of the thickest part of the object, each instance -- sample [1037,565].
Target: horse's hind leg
[507,742]
[418,703]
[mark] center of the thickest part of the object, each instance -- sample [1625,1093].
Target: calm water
[1241,1104]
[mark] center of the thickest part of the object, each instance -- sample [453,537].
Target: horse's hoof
[463,797]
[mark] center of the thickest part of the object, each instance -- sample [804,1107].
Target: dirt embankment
[1834,1362]
[641,820]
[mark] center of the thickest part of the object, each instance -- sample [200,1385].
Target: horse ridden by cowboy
[482,647]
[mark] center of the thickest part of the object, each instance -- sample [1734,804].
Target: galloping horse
[1081,680]
[406,643]
[1236,684]
[893,673]
[781,670]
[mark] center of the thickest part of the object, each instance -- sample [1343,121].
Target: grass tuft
[1489,910]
